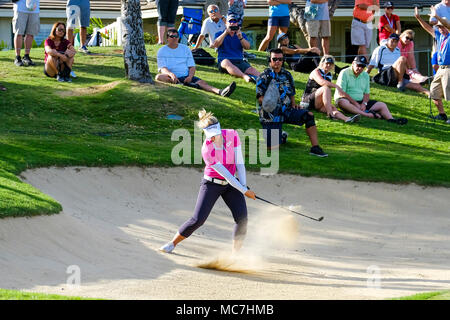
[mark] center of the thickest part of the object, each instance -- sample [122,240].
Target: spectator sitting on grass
[317,95]
[392,67]
[176,65]
[355,82]
[59,54]
[230,46]
[406,46]
[298,59]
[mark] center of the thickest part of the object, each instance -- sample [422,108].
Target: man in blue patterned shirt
[286,111]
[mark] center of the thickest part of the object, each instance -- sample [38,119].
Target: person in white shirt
[442,9]
[211,25]
[392,66]
[25,23]
[176,65]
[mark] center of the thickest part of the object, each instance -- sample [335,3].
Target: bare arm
[445,22]
[399,27]
[369,68]
[422,22]
[56,54]
[199,41]
[321,81]
[245,44]
[219,40]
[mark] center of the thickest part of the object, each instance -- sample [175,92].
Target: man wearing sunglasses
[176,65]
[286,110]
[356,83]
[230,46]
[211,26]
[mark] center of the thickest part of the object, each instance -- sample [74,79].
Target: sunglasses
[277,59]
[214,11]
[408,38]
[61,30]
[232,21]
[360,65]
[173,35]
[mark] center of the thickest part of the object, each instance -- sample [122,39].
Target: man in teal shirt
[356,83]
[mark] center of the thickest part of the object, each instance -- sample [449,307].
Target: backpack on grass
[202,57]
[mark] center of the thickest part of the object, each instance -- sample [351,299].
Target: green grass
[439,295]
[126,124]
[21,295]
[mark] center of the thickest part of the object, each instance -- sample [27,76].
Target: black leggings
[207,197]
[167,11]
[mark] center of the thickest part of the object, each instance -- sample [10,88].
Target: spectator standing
[389,23]
[84,19]
[167,12]
[298,59]
[406,46]
[442,9]
[285,109]
[59,54]
[211,26]
[440,86]
[361,29]
[26,25]
[355,83]
[230,46]
[236,8]
[392,66]
[176,65]
[278,19]
[318,24]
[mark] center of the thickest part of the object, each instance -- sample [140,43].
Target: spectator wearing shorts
[211,25]
[176,65]
[355,83]
[440,86]
[84,21]
[317,95]
[285,110]
[318,24]
[392,67]
[361,29]
[236,8]
[26,25]
[59,54]
[278,20]
[230,46]
[167,12]
[389,23]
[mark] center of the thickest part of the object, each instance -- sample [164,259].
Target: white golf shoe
[167,248]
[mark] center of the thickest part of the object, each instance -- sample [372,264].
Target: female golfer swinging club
[222,154]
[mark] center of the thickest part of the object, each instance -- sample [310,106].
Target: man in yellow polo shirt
[356,83]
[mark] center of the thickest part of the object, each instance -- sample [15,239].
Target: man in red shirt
[361,31]
[389,23]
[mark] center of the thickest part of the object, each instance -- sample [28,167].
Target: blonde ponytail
[206,119]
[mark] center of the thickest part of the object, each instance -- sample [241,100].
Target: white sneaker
[167,248]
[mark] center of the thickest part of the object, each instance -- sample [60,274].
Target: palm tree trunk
[134,54]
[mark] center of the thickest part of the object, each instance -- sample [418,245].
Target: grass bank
[103,120]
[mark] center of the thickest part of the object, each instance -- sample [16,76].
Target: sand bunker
[377,240]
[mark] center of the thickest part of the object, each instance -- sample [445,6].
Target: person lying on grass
[355,82]
[59,54]
[176,65]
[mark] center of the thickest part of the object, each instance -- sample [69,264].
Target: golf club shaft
[303,215]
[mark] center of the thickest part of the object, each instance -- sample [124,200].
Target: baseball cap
[281,36]
[231,17]
[361,60]
[394,36]
[388,5]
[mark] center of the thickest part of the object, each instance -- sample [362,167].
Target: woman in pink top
[59,54]
[222,154]
[406,46]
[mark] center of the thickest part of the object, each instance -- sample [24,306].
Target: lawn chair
[191,25]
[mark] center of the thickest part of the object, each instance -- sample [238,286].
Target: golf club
[303,215]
